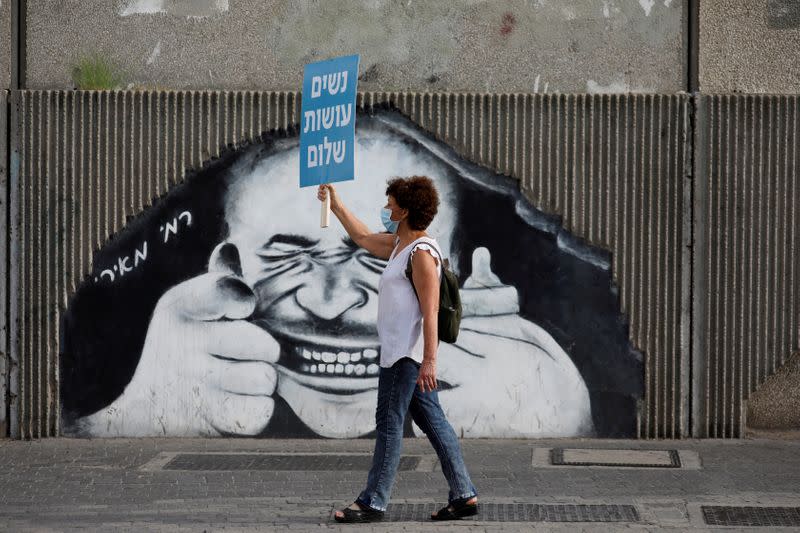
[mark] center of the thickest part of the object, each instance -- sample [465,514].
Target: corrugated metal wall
[89,160]
[747,270]
[613,166]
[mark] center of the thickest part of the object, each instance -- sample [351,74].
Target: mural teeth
[329,357]
[339,368]
[306,368]
[316,356]
[330,369]
[356,356]
[360,369]
[348,369]
[372,369]
[313,369]
[343,357]
[306,353]
[369,353]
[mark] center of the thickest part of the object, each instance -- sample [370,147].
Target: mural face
[226,310]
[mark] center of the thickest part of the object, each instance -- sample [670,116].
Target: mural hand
[483,294]
[509,377]
[203,370]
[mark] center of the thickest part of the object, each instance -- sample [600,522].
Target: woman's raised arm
[378,244]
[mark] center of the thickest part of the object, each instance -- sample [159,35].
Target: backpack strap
[444,264]
[409,273]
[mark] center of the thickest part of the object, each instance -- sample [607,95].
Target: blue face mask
[388,223]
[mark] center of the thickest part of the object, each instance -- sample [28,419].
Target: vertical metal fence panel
[749,250]
[612,166]
[89,161]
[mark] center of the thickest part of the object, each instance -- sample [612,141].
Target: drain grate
[262,461]
[615,457]
[521,512]
[751,516]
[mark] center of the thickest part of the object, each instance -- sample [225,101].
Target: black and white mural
[224,309]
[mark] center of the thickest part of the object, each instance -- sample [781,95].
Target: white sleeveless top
[399,315]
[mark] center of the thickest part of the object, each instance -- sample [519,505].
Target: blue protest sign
[328,121]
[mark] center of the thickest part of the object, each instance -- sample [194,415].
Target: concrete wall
[4,266]
[776,405]
[749,46]
[497,46]
[5,44]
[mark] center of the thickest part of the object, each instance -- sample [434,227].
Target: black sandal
[457,509]
[363,515]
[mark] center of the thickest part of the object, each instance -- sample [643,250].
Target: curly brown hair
[419,196]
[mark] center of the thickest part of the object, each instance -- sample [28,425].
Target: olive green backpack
[449,301]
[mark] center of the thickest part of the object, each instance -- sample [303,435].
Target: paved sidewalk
[121,484]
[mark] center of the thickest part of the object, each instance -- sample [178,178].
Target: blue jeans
[398,393]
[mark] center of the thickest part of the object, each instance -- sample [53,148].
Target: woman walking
[407,328]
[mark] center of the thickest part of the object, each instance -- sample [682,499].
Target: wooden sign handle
[325,214]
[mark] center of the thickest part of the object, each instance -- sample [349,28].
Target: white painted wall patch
[617,86]
[155,53]
[647,5]
[610,8]
[142,7]
[187,8]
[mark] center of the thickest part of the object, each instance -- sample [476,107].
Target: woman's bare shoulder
[429,257]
